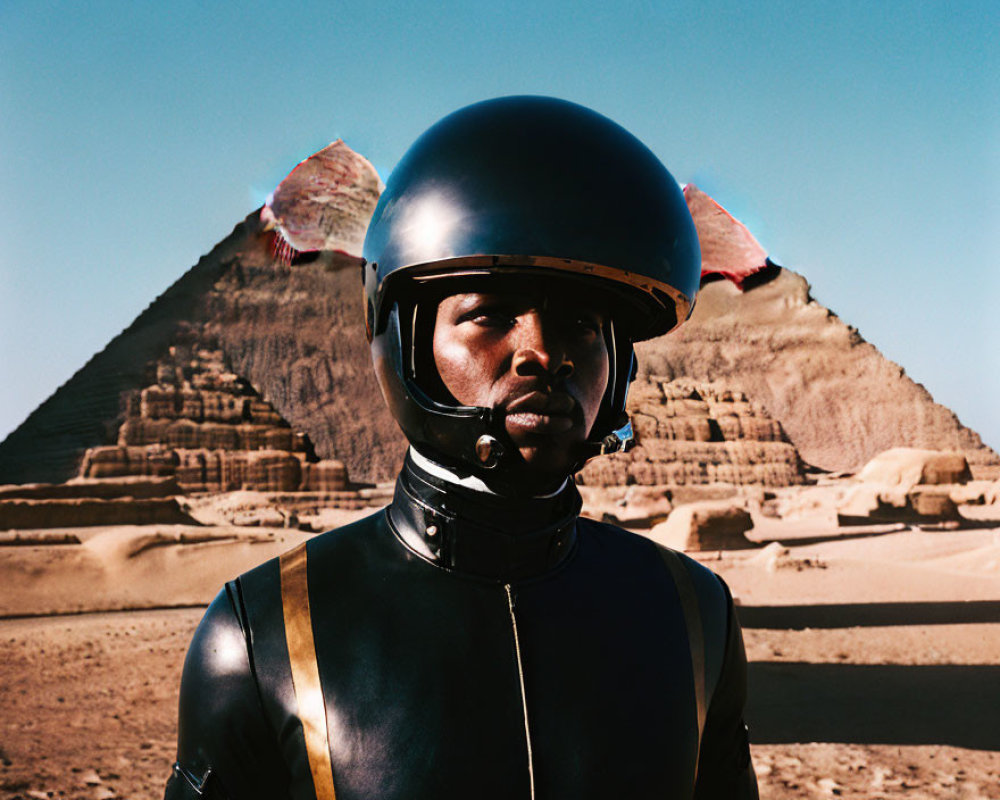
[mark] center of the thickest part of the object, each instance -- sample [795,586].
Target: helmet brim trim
[656,294]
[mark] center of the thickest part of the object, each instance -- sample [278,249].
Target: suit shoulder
[713,594]
[217,683]
[330,543]
[612,535]
[707,582]
[715,611]
[225,745]
[713,599]
[710,587]
[218,645]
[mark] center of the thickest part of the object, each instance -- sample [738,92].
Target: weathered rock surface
[871,503]
[74,513]
[136,487]
[909,485]
[838,399]
[698,433]
[204,426]
[295,334]
[201,470]
[906,467]
[37,538]
[932,501]
[709,525]
[630,506]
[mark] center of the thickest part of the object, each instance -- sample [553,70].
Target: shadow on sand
[853,615]
[874,704]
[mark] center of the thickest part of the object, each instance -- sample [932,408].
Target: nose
[540,350]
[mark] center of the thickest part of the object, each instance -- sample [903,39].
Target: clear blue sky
[859,141]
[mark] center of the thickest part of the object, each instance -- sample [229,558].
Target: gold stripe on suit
[305,669]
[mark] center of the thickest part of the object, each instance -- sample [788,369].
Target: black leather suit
[471,647]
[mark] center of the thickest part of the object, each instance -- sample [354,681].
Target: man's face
[539,359]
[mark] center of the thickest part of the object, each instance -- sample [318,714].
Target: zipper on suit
[524,698]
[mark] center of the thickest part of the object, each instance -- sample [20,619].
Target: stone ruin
[911,485]
[205,426]
[195,427]
[702,446]
[82,502]
[691,433]
[707,525]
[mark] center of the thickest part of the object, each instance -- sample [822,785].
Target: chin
[548,467]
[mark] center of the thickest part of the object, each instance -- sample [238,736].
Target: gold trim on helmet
[469,266]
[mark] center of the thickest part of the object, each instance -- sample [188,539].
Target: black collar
[480,533]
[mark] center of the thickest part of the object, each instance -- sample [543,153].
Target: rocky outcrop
[693,433]
[75,513]
[202,470]
[86,502]
[297,336]
[906,467]
[629,506]
[908,485]
[135,487]
[869,504]
[705,526]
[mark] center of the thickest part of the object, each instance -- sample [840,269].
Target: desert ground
[874,650]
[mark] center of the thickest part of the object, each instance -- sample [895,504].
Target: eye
[589,323]
[495,320]
[490,317]
[490,311]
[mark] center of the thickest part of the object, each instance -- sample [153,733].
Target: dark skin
[541,360]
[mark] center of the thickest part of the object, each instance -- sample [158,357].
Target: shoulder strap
[696,634]
[305,669]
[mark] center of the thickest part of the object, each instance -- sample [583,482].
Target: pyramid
[290,325]
[292,333]
[838,399]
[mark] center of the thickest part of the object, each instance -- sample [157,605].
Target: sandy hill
[294,332]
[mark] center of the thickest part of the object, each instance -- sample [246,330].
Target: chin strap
[620,440]
[494,455]
[490,451]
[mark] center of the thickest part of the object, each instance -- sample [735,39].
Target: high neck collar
[427,465]
[470,530]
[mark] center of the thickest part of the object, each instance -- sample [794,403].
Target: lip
[541,413]
[544,403]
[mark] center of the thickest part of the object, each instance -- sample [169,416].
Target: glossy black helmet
[526,187]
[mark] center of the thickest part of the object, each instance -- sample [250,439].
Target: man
[476,638]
